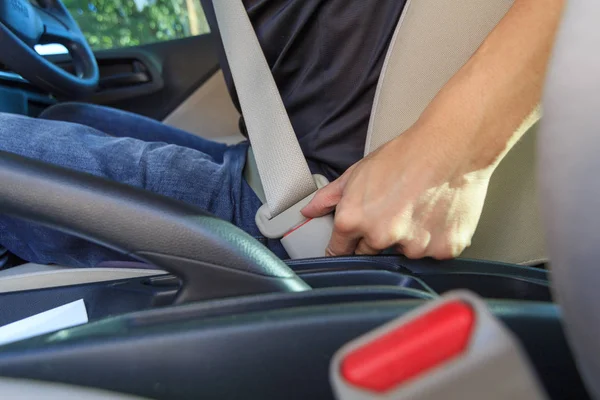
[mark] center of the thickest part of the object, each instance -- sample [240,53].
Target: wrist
[437,155]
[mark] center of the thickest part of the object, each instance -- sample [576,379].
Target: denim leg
[212,183]
[125,124]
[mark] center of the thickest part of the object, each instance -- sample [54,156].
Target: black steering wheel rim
[24,25]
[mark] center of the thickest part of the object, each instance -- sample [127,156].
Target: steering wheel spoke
[56,29]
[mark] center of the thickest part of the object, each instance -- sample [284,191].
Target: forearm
[493,93]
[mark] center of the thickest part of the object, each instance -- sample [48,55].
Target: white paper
[62,317]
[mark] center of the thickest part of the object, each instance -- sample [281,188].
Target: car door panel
[152,79]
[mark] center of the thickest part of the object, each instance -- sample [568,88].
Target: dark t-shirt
[326,57]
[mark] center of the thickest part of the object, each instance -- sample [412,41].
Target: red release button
[411,349]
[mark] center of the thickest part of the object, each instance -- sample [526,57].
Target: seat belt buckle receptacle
[300,236]
[451,348]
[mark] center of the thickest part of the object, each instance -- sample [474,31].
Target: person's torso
[326,57]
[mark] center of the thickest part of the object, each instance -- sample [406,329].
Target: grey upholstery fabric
[569,184]
[510,229]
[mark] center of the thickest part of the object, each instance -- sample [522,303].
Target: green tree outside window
[109,24]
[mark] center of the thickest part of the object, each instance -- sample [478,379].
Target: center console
[275,345]
[334,280]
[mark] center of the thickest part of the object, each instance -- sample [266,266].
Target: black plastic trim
[280,354]
[213,258]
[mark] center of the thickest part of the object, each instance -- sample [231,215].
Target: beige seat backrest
[510,229]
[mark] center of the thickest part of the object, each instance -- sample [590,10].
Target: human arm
[424,191]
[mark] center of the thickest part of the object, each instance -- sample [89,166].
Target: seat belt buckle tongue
[300,236]
[309,239]
[451,348]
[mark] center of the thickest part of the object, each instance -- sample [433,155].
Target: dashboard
[18,96]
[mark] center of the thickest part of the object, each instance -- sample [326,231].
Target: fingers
[328,197]
[414,243]
[450,245]
[436,222]
[417,246]
[354,235]
[350,236]
[341,244]
[364,249]
[324,201]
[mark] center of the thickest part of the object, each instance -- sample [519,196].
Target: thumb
[326,199]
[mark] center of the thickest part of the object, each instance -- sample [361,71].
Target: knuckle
[364,249]
[378,239]
[444,253]
[418,246]
[452,246]
[346,222]
[327,196]
[414,250]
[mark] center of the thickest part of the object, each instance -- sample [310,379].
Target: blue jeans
[129,149]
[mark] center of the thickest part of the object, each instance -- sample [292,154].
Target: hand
[419,194]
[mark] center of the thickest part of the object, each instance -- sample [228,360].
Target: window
[110,24]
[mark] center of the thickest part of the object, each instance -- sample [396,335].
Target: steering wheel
[23,24]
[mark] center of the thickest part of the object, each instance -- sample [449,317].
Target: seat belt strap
[286,179]
[432,41]
[251,176]
[283,170]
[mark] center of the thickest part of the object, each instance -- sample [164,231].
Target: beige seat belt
[286,179]
[433,39]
